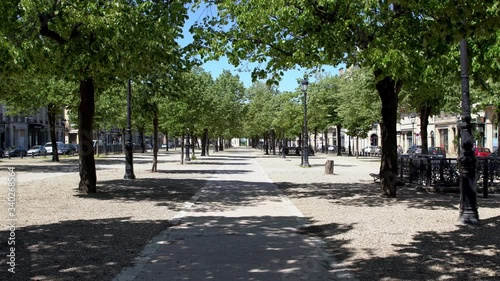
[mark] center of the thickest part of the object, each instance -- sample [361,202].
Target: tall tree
[26,95]
[90,41]
[385,36]
[229,96]
[360,106]
[261,110]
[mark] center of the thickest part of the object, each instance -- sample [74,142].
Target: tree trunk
[204,142]
[339,144]
[326,141]
[388,90]
[88,177]
[424,121]
[273,141]
[207,142]
[266,143]
[182,149]
[194,141]
[221,144]
[315,140]
[166,139]
[154,168]
[52,124]
[357,147]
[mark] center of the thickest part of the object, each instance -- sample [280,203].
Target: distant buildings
[28,130]
[442,131]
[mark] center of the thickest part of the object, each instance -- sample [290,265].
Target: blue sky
[288,82]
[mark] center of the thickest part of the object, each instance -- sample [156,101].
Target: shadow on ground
[368,195]
[237,248]
[167,192]
[77,250]
[212,172]
[466,254]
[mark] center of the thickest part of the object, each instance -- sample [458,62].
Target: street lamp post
[129,165]
[63,123]
[458,134]
[187,147]
[480,130]
[412,120]
[305,150]
[350,153]
[283,143]
[30,139]
[467,161]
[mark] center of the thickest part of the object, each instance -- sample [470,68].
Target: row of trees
[81,54]
[410,43]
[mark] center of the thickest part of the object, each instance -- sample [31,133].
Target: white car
[37,150]
[48,146]
[372,149]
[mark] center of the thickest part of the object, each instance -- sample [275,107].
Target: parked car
[414,149]
[69,149]
[372,149]
[15,151]
[437,152]
[494,154]
[48,146]
[334,148]
[37,150]
[482,152]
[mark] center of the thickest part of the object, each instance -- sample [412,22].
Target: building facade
[30,130]
[442,131]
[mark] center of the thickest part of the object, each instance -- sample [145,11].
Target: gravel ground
[63,235]
[412,237]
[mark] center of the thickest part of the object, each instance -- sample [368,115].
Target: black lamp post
[30,138]
[305,151]
[480,129]
[129,165]
[283,143]
[63,123]
[350,153]
[458,134]
[187,147]
[467,161]
[412,120]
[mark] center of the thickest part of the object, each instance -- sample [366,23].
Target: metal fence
[444,172]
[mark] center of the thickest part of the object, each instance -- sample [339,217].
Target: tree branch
[45,31]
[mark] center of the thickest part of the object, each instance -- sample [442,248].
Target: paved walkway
[238,227]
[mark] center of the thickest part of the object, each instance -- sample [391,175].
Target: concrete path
[238,227]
